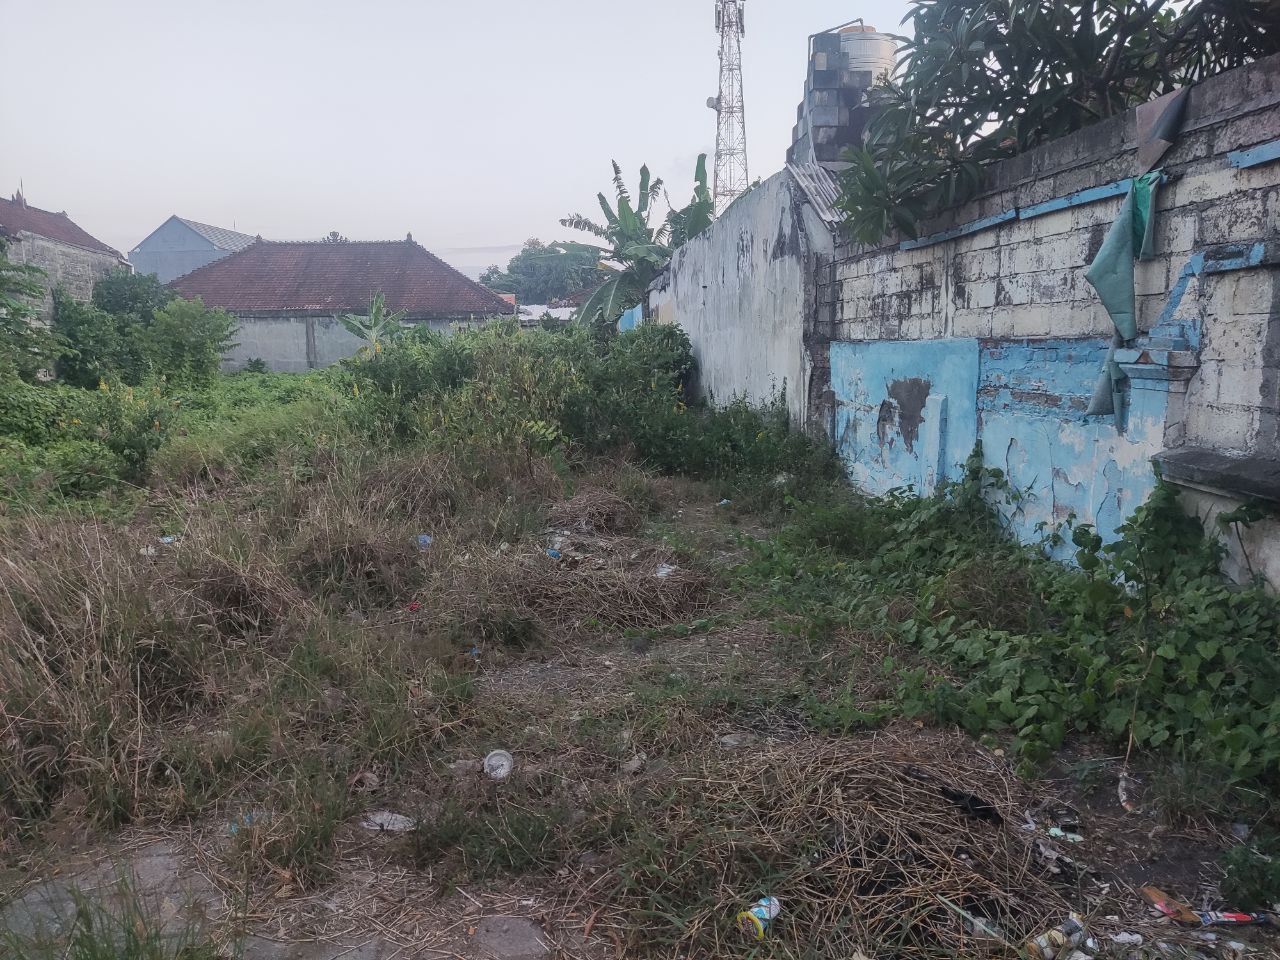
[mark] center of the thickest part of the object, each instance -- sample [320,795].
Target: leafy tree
[134,329]
[96,348]
[124,294]
[377,329]
[987,79]
[186,340]
[543,272]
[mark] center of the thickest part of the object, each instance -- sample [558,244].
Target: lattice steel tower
[731,121]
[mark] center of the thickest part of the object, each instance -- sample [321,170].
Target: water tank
[867,49]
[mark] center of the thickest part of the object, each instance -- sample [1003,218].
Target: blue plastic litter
[554,554]
[425,540]
[724,503]
[170,539]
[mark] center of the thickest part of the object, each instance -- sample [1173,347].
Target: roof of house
[320,277]
[220,237]
[18,216]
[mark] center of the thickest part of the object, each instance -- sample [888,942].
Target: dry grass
[859,839]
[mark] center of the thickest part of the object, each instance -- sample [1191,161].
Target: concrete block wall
[745,292]
[297,343]
[1007,310]
[72,268]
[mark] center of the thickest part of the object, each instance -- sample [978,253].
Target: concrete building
[70,258]
[985,330]
[288,296]
[178,246]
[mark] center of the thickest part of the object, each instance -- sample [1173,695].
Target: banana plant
[377,329]
[689,221]
[637,250]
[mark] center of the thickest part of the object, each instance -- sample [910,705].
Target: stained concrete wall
[72,268]
[995,335]
[745,291]
[173,251]
[297,343]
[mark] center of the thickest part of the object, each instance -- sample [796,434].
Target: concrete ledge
[1238,475]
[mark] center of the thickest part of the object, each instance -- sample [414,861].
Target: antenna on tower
[731,178]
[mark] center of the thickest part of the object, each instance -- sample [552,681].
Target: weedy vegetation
[287,599]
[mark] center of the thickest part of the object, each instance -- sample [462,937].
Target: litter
[974,924]
[148,551]
[725,503]
[1180,912]
[553,553]
[1240,831]
[245,822]
[736,741]
[1127,791]
[755,922]
[170,539]
[664,570]
[1061,941]
[1059,834]
[973,805]
[499,765]
[425,540]
[414,606]
[1127,939]
[390,822]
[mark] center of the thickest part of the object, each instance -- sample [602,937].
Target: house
[69,256]
[288,296]
[178,246]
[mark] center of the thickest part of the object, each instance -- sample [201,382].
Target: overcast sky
[472,124]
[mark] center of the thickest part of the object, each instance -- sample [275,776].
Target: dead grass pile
[896,845]
[628,586]
[596,510]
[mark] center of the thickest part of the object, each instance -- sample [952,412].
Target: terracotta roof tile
[274,277]
[16,217]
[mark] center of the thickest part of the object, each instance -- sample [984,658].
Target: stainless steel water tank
[867,49]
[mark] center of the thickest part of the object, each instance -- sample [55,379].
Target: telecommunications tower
[731,122]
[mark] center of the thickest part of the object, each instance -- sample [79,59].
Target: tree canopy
[544,272]
[987,79]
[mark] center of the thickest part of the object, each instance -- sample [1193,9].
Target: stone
[150,881]
[511,938]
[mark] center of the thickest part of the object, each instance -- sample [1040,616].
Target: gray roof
[220,237]
[821,189]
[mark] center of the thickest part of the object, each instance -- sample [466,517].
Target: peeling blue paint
[906,411]
[1255,156]
[1025,399]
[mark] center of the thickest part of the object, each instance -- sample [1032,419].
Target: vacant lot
[247,697]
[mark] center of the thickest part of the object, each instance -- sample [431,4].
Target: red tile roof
[274,277]
[17,216]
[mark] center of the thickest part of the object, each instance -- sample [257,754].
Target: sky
[473,125]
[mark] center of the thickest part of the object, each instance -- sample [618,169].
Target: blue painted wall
[631,319]
[906,412]
[909,413]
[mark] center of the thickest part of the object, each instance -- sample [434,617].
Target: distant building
[178,246]
[70,257]
[288,296]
